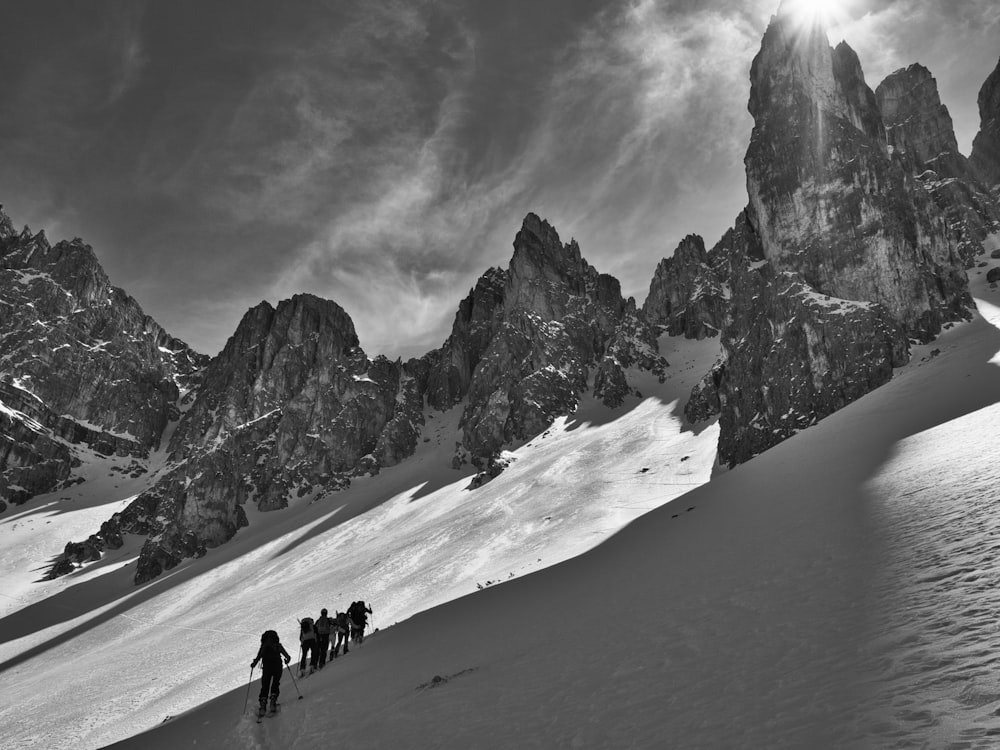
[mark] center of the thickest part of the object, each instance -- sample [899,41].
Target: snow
[255,421]
[20,416]
[832,592]
[99,429]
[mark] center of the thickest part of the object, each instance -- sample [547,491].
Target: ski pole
[247,701]
[290,674]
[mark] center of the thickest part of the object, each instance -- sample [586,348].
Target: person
[307,640]
[358,614]
[343,628]
[323,626]
[269,655]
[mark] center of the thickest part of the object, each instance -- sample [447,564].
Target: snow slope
[94,659]
[838,591]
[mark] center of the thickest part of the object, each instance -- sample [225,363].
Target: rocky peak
[796,66]
[544,275]
[922,136]
[7,230]
[81,365]
[528,341]
[477,321]
[291,407]
[686,296]
[273,353]
[827,201]
[918,125]
[985,156]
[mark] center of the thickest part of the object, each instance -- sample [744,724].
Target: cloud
[622,143]
[132,57]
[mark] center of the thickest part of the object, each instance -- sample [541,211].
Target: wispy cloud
[132,56]
[639,115]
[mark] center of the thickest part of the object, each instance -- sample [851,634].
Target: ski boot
[262,709]
[272,707]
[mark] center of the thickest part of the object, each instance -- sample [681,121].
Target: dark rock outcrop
[291,406]
[527,341]
[827,201]
[80,364]
[686,296]
[985,157]
[793,356]
[922,138]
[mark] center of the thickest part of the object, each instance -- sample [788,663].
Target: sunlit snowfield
[837,591]
[96,659]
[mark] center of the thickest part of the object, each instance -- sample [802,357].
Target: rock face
[793,356]
[291,405]
[985,156]
[686,296]
[922,138]
[81,365]
[528,340]
[827,201]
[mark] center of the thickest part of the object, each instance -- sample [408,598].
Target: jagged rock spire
[985,156]
[826,199]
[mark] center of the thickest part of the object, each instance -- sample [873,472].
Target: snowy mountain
[538,507]
[82,369]
[294,408]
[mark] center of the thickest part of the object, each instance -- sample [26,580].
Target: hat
[323,612]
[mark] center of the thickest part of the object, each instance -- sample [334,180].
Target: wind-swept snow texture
[91,659]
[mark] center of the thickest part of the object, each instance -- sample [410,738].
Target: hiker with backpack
[342,629]
[270,655]
[358,614]
[307,640]
[324,625]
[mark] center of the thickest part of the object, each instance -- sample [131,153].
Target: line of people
[320,640]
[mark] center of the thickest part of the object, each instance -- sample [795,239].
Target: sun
[825,13]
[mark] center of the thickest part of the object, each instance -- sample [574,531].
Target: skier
[323,627]
[269,655]
[307,639]
[358,613]
[342,628]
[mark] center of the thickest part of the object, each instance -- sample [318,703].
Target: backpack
[307,632]
[342,624]
[269,636]
[323,625]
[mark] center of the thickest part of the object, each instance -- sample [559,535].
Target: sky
[383,154]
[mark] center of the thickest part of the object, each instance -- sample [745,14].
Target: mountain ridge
[848,251]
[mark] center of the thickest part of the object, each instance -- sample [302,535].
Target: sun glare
[824,13]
